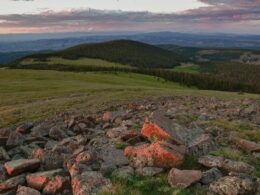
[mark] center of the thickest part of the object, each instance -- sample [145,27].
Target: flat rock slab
[148,171]
[40,179]
[23,190]
[42,129]
[201,145]
[16,167]
[246,145]
[210,176]
[157,154]
[211,161]
[15,139]
[123,172]
[12,183]
[112,158]
[159,127]
[237,166]
[183,178]
[228,165]
[232,185]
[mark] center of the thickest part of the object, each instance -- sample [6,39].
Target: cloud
[234,3]
[241,16]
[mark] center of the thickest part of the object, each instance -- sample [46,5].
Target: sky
[210,16]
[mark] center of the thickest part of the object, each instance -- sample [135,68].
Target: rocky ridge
[77,153]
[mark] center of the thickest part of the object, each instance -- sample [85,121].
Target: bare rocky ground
[196,141]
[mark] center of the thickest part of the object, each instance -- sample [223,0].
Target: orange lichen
[37,182]
[154,132]
[155,154]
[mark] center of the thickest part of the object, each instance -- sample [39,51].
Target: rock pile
[72,153]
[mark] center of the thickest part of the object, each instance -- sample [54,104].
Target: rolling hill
[121,51]
[137,57]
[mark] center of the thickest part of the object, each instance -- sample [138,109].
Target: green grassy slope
[121,51]
[30,94]
[188,68]
[81,62]
[27,95]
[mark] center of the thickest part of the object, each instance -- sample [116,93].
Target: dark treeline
[240,72]
[204,81]
[201,81]
[234,72]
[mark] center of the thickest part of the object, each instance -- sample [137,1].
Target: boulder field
[77,153]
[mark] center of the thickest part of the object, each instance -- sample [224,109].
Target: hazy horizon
[189,16]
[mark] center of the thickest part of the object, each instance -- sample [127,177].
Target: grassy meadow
[28,95]
[188,68]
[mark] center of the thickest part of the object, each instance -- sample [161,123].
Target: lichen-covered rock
[85,157]
[183,178]
[157,154]
[201,145]
[232,185]
[77,168]
[127,135]
[37,153]
[210,176]
[23,190]
[56,185]
[112,116]
[158,127]
[154,132]
[246,145]
[111,158]
[16,167]
[42,129]
[3,173]
[228,165]
[237,166]
[40,179]
[148,171]
[12,183]
[57,133]
[211,161]
[123,172]
[15,139]
[52,160]
[89,182]
[116,132]
[4,155]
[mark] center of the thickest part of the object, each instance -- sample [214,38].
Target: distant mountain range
[11,43]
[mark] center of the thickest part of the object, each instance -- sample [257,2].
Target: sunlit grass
[76,62]
[188,68]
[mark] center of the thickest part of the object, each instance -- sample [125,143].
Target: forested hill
[121,51]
